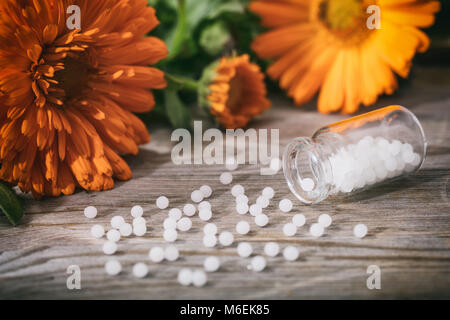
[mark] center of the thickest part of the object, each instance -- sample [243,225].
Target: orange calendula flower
[333,46]
[237,92]
[67,96]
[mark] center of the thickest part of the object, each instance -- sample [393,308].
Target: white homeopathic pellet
[139,220]
[117,221]
[262,201]
[285,205]
[109,247]
[175,214]
[113,267]
[90,212]
[156,254]
[242,227]
[170,235]
[204,205]
[199,278]
[169,223]
[206,190]
[272,249]
[226,178]
[237,190]
[197,196]
[242,208]
[299,220]
[205,214]
[307,184]
[226,238]
[255,209]
[211,264]
[185,276]
[242,198]
[289,229]
[325,220]
[139,229]
[316,230]
[290,253]
[210,228]
[162,202]
[258,263]
[137,211]
[268,192]
[360,230]
[244,249]
[171,253]
[113,235]
[140,270]
[261,220]
[209,240]
[184,224]
[97,231]
[126,230]
[189,209]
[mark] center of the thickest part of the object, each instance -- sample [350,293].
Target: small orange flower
[67,96]
[237,92]
[326,46]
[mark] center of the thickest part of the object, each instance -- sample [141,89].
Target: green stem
[180,33]
[186,83]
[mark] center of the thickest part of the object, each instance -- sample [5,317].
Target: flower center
[235,94]
[74,77]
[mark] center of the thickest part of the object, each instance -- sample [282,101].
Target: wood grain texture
[408,221]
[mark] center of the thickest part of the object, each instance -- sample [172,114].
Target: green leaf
[178,114]
[10,204]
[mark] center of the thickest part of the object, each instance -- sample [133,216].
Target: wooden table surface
[408,222]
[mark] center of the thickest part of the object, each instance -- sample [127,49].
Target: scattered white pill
[113,235]
[360,230]
[242,227]
[209,240]
[290,253]
[255,209]
[171,253]
[244,249]
[175,214]
[199,278]
[210,228]
[206,191]
[169,223]
[268,192]
[126,230]
[231,164]
[226,178]
[113,267]
[197,196]
[258,263]
[97,231]
[285,205]
[140,270]
[90,212]
[139,229]
[261,220]
[237,190]
[242,198]
[226,238]
[189,209]
[139,220]
[117,221]
[156,254]
[262,201]
[184,224]
[162,202]
[137,211]
[316,230]
[211,264]
[204,205]
[205,214]
[185,276]
[325,220]
[272,249]
[242,208]
[299,220]
[289,229]
[170,235]
[307,184]
[109,248]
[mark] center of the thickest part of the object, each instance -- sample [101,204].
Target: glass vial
[354,154]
